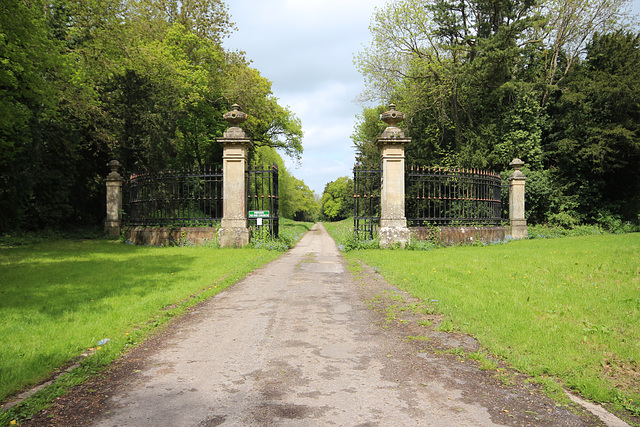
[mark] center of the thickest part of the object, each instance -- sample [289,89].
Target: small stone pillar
[234,230]
[516,201]
[113,222]
[393,224]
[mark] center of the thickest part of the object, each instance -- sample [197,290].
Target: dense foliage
[296,200]
[143,81]
[337,199]
[554,83]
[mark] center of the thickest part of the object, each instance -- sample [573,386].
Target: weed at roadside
[289,234]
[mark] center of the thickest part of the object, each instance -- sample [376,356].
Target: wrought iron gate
[194,198]
[262,197]
[452,197]
[433,196]
[367,180]
[178,198]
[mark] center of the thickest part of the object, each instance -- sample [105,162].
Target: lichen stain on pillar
[234,230]
[393,223]
[516,201]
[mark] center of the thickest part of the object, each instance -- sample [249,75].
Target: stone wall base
[457,235]
[235,237]
[519,229]
[165,236]
[394,235]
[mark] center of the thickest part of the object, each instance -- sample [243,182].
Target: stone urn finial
[517,164]
[114,165]
[392,117]
[235,116]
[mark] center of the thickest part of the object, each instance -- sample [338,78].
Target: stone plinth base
[460,235]
[112,228]
[235,237]
[394,235]
[519,229]
[165,236]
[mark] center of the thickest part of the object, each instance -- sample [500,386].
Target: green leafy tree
[297,200]
[337,199]
[593,148]
[566,30]
[30,63]
[365,133]
[453,68]
[147,82]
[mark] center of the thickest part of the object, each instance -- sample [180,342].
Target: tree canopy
[297,200]
[483,82]
[337,199]
[142,81]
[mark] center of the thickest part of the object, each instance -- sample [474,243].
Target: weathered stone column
[393,223]
[234,230]
[516,201]
[113,222]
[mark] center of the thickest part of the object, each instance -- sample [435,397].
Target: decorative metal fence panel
[262,197]
[452,197]
[181,198]
[367,181]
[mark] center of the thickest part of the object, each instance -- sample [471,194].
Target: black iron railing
[262,197]
[452,197]
[367,181]
[180,198]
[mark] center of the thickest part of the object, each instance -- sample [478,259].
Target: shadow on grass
[63,280]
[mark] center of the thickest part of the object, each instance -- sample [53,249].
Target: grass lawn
[60,298]
[568,308]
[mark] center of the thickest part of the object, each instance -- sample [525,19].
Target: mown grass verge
[565,308]
[58,299]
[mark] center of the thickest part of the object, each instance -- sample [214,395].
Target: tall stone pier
[393,223]
[516,201]
[113,222]
[234,230]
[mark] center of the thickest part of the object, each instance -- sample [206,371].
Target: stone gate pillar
[234,230]
[113,222]
[393,223]
[516,201]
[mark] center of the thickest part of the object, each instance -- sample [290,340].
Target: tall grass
[57,299]
[567,308]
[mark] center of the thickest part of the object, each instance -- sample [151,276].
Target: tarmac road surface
[294,344]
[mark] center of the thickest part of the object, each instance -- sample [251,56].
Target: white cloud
[306,48]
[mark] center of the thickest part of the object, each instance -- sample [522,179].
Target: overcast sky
[306,49]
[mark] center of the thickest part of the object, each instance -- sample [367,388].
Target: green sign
[258,214]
